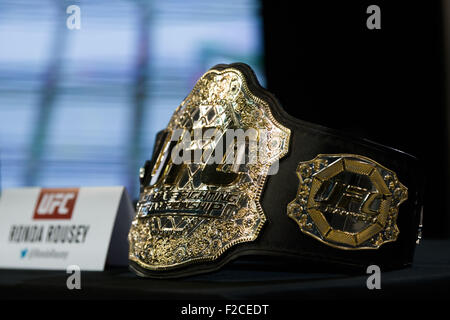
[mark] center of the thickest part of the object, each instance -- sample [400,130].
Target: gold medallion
[194,211]
[347,201]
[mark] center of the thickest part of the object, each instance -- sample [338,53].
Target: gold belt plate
[347,201]
[194,212]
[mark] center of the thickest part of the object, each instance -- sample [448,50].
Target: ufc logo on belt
[55,204]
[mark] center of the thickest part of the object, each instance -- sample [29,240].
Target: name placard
[54,228]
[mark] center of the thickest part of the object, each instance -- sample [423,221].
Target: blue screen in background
[82,107]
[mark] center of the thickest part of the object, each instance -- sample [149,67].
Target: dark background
[387,85]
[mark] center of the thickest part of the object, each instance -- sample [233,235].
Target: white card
[54,228]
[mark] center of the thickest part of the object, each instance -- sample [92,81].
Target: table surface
[428,278]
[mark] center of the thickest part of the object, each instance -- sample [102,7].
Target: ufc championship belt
[234,175]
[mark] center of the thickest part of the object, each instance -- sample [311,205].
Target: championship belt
[234,175]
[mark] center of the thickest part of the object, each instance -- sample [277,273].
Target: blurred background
[82,107]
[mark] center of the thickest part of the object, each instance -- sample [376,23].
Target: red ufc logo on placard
[55,204]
